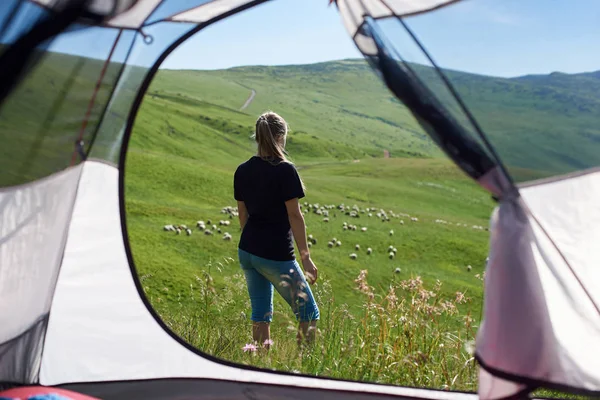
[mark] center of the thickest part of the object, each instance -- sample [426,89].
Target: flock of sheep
[354,212]
[207,227]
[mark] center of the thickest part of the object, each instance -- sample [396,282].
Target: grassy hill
[179,170]
[540,125]
[412,326]
[191,134]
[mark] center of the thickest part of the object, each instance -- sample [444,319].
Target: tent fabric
[543,286]
[33,230]
[101,330]
[353,14]
[134,15]
[208,11]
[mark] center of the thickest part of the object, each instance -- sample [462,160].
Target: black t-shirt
[264,187]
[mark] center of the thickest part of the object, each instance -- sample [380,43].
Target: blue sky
[494,37]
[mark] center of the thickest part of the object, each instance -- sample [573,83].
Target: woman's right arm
[298,226]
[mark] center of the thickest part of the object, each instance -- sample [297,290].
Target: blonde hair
[270,135]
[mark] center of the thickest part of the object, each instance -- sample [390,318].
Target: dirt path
[249,99]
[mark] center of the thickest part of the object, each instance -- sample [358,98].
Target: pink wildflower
[249,348]
[268,342]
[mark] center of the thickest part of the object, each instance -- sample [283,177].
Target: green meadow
[408,320]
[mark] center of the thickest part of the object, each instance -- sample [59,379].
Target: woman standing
[267,188]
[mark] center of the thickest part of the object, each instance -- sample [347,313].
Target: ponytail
[271,131]
[270,134]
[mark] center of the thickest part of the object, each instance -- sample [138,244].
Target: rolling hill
[191,133]
[540,125]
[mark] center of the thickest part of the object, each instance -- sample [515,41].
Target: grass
[410,333]
[408,328]
[413,328]
[180,168]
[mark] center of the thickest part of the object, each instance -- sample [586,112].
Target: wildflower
[469,347]
[391,298]
[460,298]
[363,285]
[468,320]
[268,342]
[249,348]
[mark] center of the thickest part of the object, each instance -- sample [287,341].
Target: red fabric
[25,392]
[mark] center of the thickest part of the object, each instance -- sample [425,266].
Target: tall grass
[412,334]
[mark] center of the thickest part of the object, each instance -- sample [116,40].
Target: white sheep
[414,219]
[353,256]
[370,214]
[357,247]
[345,224]
[188,231]
[183,226]
[168,228]
[325,219]
[218,230]
[214,227]
[330,244]
[310,237]
[345,227]
[391,232]
[394,250]
[334,240]
[369,250]
[227,223]
[338,243]
[469,268]
[397,270]
[390,248]
[226,236]
[364,229]
[309,244]
[208,232]
[199,223]
[401,222]
[178,231]
[391,255]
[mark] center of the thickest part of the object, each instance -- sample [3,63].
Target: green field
[410,320]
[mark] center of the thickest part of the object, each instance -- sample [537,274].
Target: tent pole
[93,100]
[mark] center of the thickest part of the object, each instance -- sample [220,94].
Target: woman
[267,188]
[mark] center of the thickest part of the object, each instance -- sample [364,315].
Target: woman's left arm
[242,214]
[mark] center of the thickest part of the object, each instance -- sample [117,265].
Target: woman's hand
[310,269]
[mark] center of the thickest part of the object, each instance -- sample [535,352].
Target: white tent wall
[542,322]
[101,330]
[34,220]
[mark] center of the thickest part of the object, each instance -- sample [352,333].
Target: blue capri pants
[288,279]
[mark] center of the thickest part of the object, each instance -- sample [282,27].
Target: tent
[72,310]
